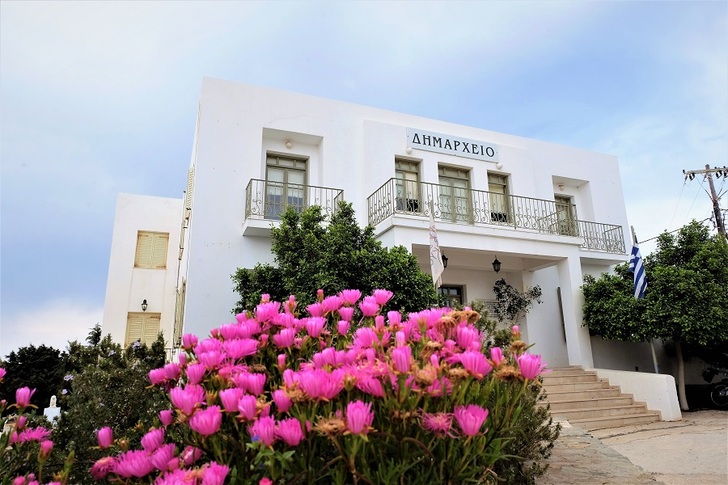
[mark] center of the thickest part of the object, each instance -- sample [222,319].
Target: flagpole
[652,342]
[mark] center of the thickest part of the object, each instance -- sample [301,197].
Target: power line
[668,232]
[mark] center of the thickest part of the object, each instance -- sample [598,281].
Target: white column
[578,343]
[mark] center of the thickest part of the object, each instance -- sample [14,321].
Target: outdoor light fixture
[444,261]
[496,265]
[144,304]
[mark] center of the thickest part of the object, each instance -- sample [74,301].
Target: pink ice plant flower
[105,437]
[475,363]
[189,341]
[267,311]
[2,373]
[251,383]
[206,421]
[359,417]
[381,297]
[187,398]
[162,457]
[402,359]
[496,355]
[166,416]
[282,401]
[22,396]
[264,430]
[290,431]
[102,467]
[195,373]
[369,307]
[240,348]
[350,297]
[46,446]
[248,407]
[214,474]
[439,423]
[332,303]
[315,325]
[153,440]
[470,418]
[156,376]
[530,365]
[230,399]
[285,338]
[342,326]
[133,463]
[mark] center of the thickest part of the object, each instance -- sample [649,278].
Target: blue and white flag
[638,269]
[436,265]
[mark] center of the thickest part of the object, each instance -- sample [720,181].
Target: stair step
[590,413]
[596,403]
[590,424]
[569,378]
[611,391]
[576,386]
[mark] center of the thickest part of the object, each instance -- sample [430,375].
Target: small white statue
[52,412]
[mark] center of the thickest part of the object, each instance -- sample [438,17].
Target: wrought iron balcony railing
[269,200]
[478,207]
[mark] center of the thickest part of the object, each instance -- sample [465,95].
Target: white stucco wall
[127,286]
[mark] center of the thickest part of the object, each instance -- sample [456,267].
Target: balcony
[477,207]
[267,201]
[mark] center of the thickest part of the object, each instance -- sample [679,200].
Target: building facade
[549,213]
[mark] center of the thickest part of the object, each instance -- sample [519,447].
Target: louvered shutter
[151,328]
[143,249]
[134,328]
[159,251]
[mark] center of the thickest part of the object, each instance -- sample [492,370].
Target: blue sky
[98,98]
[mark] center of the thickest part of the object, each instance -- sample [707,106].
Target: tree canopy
[40,368]
[311,254]
[686,299]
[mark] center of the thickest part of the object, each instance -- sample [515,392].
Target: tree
[686,301]
[40,368]
[312,255]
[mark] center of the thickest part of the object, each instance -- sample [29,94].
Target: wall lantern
[444,261]
[144,304]
[496,265]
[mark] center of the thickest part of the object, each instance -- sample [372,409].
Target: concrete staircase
[591,403]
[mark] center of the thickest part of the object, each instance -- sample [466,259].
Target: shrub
[345,395]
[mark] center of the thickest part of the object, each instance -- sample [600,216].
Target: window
[452,294]
[142,327]
[408,185]
[498,198]
[151,250]
[565,216]
[285,185]
[454,194]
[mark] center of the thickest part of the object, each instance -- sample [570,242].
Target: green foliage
[686,298]
[108,386]
[512,304]
[312,255]
[40,368]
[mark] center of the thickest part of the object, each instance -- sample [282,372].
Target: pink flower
[496,355]
[105,437]
[365,337]
[346,313]
[156,376]
[402,359]
[264,430]
[282,401]
[265,481]
[214,474]
[350,296]
[22,396]
[45,448]
[189,341]
[153,440]
[475,363]
[162,456]
[359,417]
[206,421]
[285,338]
[470,418]
[248,407]
[230,399]
[2,373]
[31,434]
[166,416]
[172,371]
[102,467]
[267,311]
[314,325]
[516,331]
[467,336]
[281,361]
[20,423]
[190,455]
[290,431]
[395,318]
[252,383]
[342,326]
[187,398]
[133,463]
[195,373]
[530,365]
[382,296]
[332,303]
[315,309]
[212,359]
[369,307]
[240,348]
[437,423]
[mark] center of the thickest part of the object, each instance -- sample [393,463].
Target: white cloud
[54,324]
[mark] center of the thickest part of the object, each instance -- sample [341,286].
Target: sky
[98,98]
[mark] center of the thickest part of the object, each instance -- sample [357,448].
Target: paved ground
[693,451]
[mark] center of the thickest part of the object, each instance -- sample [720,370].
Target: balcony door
[285,185]
[455,194]
[498,199]
[565,216]
[407,176]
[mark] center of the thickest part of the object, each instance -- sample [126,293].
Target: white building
[549,213]
[143,268]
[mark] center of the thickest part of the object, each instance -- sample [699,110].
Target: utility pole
[708,172]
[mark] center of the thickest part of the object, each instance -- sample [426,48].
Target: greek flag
[638,269]
[436,265]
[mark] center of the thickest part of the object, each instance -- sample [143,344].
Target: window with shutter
[142,327]
[151,250]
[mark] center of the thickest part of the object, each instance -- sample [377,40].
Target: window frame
[153,260]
